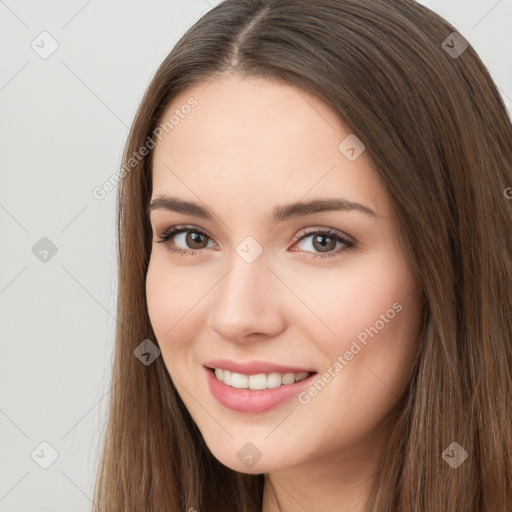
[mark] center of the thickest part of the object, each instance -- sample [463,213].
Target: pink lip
[255,367]
[250,400]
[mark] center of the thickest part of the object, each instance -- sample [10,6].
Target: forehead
[258,141]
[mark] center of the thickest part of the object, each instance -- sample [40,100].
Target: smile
[259,381]
[255,393]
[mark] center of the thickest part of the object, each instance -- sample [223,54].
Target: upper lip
[254,367]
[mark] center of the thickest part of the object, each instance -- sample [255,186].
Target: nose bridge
[246,299]
[248,281]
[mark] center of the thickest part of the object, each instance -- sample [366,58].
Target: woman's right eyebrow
[173,204]
[279,214]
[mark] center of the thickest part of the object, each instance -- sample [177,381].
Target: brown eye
[184,239]
[323,243]
[195,240]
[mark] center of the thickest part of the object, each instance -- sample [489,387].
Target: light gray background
[63,124]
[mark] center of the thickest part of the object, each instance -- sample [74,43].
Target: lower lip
[253,400]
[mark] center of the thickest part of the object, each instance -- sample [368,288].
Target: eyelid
[322,229]
[299,236]
[166,235]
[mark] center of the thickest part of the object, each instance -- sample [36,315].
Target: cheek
[355,298]
[170,298]
[374,314]
[369,359]
[385,349]
[170,294]
[158,298]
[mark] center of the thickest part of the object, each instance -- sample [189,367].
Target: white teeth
[288,378]
[239,381]
[259,381]
[274,380]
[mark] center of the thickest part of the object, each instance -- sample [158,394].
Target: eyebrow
[279,214]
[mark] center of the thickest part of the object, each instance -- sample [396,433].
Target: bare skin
[248,146]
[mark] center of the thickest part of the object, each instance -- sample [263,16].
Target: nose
[247,302]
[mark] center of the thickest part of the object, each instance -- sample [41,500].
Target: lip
[253,401]
[255,367]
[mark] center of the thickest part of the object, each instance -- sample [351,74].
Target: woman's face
[272,292]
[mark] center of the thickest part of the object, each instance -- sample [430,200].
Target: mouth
[258,381]
[255,392]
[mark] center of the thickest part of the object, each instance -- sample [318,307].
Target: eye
[324,241]
[194,239]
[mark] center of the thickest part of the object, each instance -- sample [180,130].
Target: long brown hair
[438,131]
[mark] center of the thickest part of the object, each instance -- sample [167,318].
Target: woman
[315,271]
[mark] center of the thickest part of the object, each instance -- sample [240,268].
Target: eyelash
[164,238]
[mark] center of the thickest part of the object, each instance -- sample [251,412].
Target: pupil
[324,244]
[196,238]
